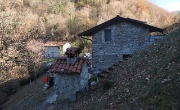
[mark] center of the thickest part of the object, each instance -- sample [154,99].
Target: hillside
[28,24]
[148,80]
[23,21]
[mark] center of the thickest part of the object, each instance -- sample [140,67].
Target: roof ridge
[118,18]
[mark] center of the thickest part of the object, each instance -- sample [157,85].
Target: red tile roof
[54,43]
[62,66]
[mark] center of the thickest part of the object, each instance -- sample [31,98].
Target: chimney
[72,54]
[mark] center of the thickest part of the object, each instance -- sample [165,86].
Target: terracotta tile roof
[62,66]
[54,43]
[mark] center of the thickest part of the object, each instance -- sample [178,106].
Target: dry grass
[149,80]
[27,97]
[22,20]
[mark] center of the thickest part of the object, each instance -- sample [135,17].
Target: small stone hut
[70,74]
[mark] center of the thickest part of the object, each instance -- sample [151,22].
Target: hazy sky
[170,5]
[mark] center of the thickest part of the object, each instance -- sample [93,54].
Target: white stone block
[52,99]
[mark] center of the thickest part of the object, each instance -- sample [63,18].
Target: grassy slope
[149,80]
[27,97]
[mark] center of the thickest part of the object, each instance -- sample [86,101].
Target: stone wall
[84,76]
[126,38]
[66,86]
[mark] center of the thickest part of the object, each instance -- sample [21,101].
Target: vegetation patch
[148,80]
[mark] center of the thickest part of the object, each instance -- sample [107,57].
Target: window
[107,35]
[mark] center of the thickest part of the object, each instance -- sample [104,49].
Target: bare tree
[35,50]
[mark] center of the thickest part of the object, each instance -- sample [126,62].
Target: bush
[107,85]
[26,2]
[24,82]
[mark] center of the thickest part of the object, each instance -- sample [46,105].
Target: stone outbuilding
[70,74]
[117,39]
[55,48]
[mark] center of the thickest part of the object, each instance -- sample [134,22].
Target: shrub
[107,85]
[26,2]
[24,81]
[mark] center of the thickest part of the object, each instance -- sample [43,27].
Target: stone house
[116,39]
[70,74]
[55,49]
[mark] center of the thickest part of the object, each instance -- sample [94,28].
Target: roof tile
[62,66]
[67,67]
[74,70]
[79,66]
[70,69]
[78,71]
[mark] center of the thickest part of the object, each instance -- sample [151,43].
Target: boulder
[52,99]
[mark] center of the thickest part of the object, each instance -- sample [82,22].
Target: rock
[52,99]
[46,86]
[93,83]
